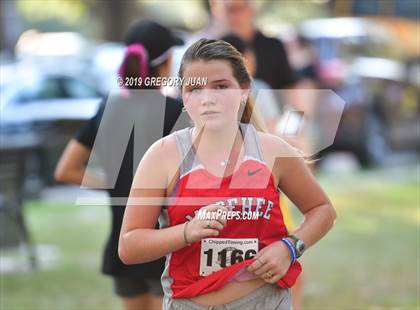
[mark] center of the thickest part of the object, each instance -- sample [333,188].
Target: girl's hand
[272,262]
[198,229]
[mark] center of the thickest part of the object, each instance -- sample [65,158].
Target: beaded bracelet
[291,248]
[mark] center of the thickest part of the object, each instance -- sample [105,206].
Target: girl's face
[216,104]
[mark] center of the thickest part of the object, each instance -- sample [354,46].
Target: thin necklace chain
[226,162]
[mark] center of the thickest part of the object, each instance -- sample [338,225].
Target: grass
[370,260]
[75,283]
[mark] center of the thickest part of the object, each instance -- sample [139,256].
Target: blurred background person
[238,17]
[148,54]
[272,64]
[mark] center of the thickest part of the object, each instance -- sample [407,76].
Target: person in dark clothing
[237,16]
[148,54]
[272,64]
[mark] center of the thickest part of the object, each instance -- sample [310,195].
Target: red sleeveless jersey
[250,188]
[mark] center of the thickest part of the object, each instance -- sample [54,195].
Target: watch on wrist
[299,245]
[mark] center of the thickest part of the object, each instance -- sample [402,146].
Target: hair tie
[138,50]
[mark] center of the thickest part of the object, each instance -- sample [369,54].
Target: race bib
[218,253]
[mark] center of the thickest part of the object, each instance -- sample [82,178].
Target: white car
[47,98]
[47,108]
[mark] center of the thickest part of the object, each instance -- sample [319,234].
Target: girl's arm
[71,167]
[139,241]
[301,187]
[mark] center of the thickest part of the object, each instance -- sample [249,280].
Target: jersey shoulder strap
[185,151]
[252,143]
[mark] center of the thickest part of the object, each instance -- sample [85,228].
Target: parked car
[394,97]
[52,107]
[379,115]
[47,98]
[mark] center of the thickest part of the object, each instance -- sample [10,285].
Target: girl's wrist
[291,248]
[185,234]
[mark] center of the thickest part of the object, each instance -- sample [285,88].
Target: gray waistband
[267,295]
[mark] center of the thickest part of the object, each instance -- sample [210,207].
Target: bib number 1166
[218,253]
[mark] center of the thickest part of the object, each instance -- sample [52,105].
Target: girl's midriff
[229,292]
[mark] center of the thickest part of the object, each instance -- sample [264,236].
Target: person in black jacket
[148,54]
[238,16]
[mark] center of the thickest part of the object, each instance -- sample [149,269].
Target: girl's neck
[219,143]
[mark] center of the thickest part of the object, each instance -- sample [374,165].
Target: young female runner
[222,163]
